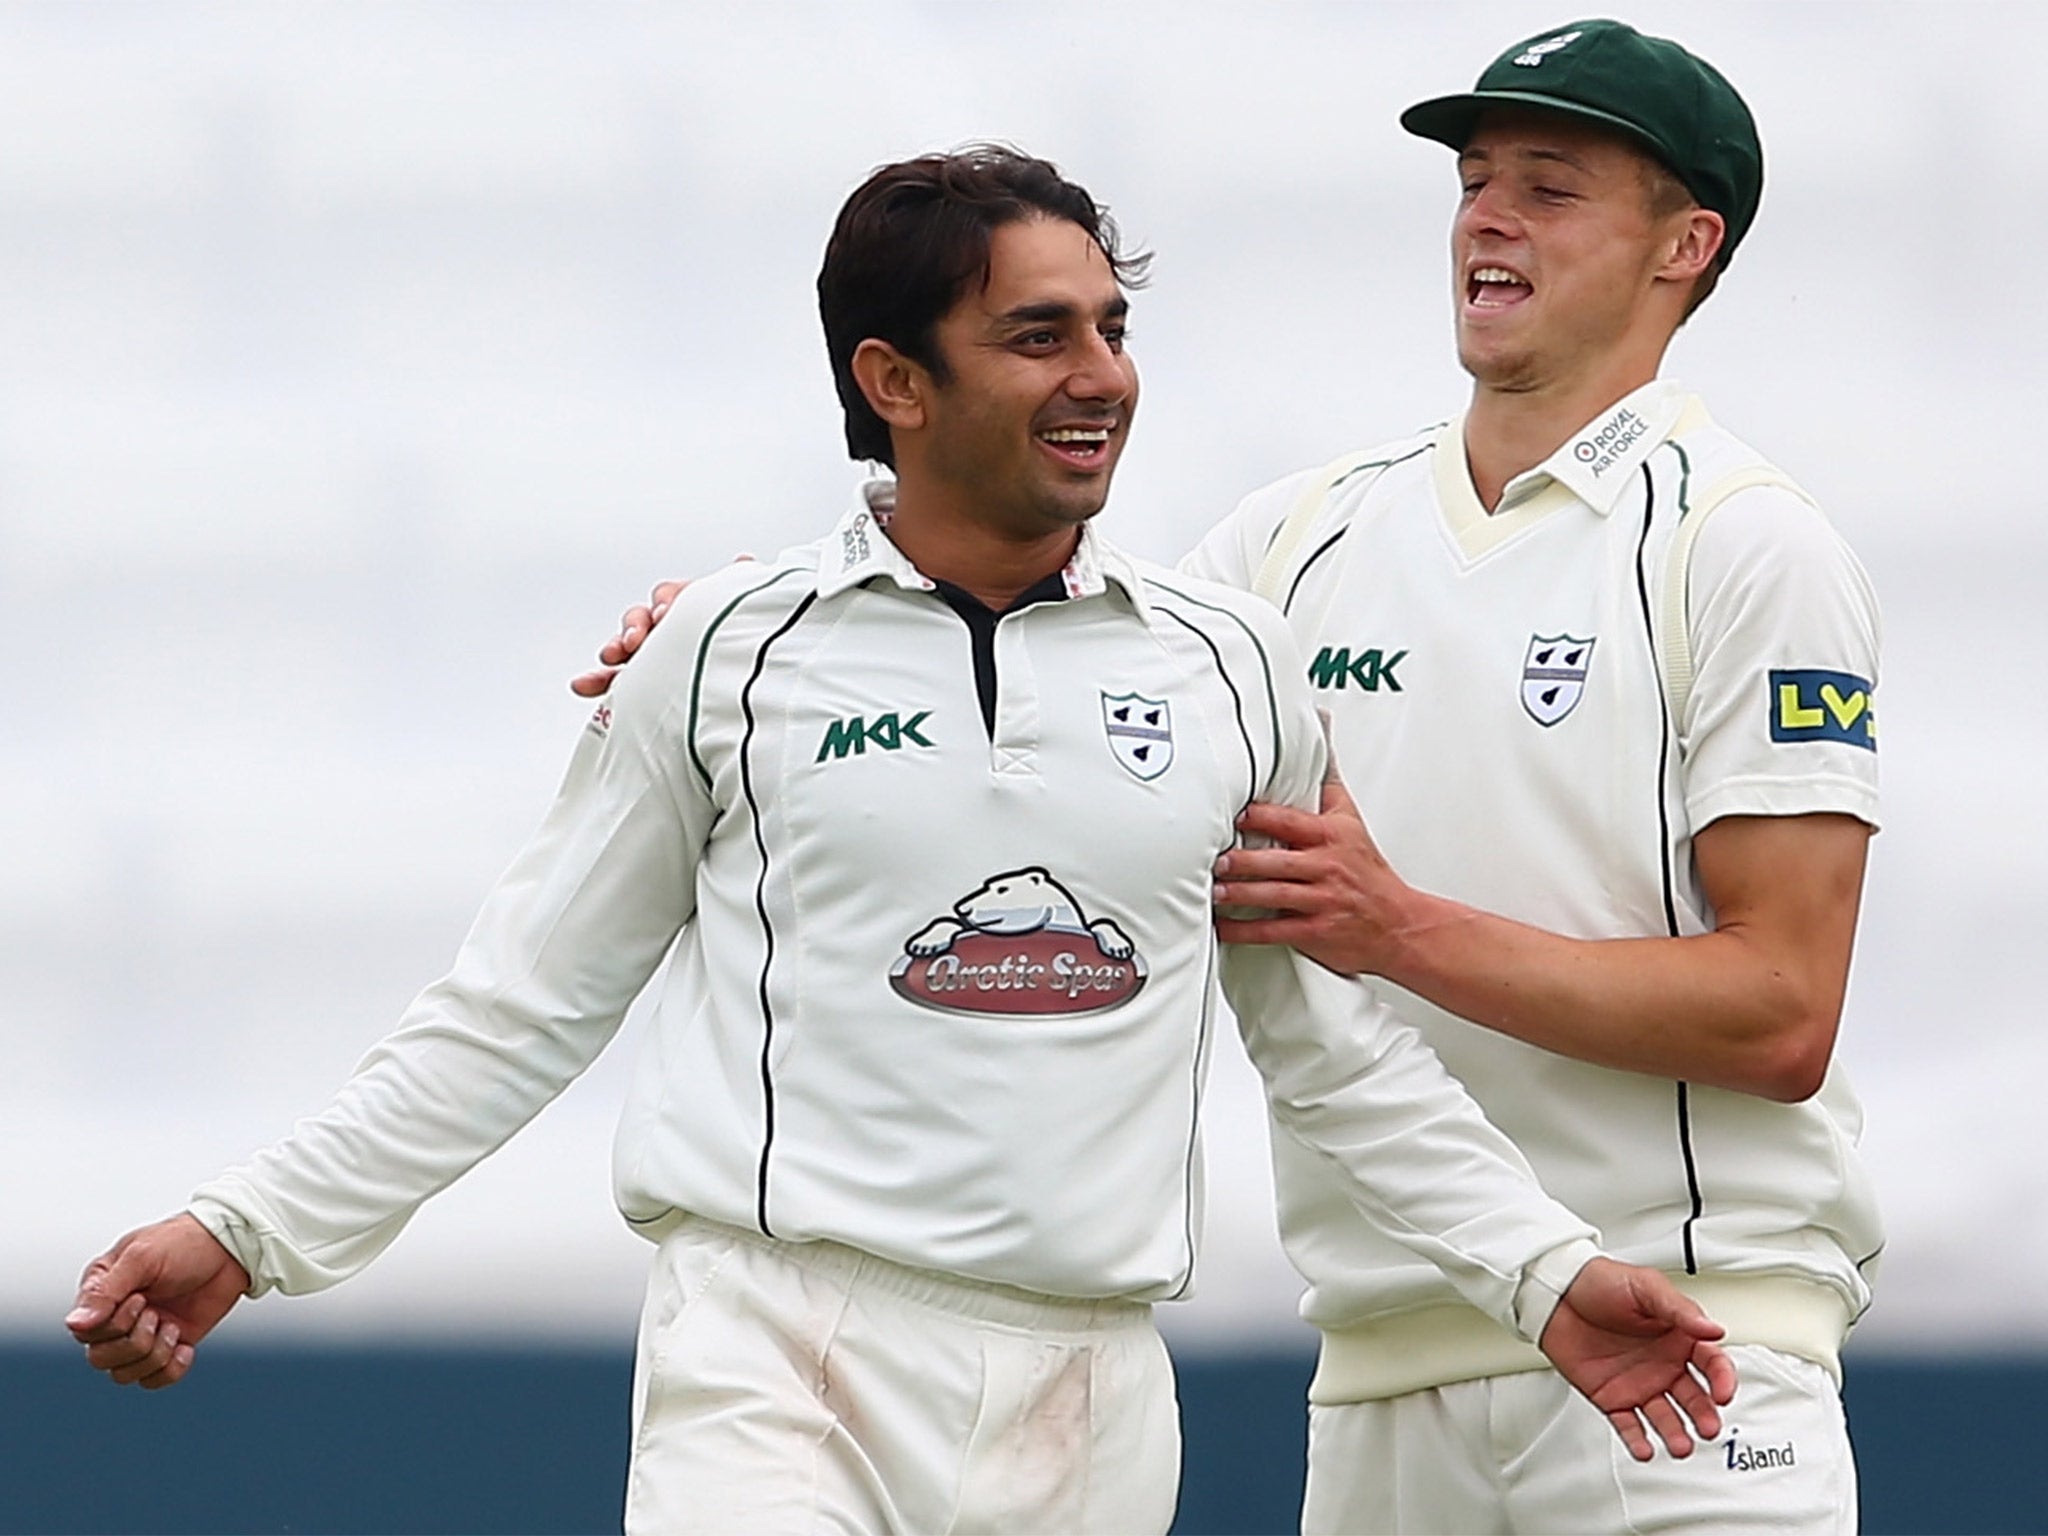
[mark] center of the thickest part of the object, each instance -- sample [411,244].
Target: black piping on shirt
[761,907]
[1665,736]
[1294,586]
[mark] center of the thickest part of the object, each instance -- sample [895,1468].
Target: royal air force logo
[1140,732]
[1554,676]
[1019,946]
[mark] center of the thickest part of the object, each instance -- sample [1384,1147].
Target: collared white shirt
[1499,715]
[942,989]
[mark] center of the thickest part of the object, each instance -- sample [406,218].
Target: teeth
[1076,435]
[1496,275]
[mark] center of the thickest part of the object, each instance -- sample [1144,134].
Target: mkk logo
[1140,732]
[1808,704]
[887,732]
[1336,667]
[1019,945]
[1554,676]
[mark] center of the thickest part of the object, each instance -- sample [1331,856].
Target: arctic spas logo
[1020,945]
[1809,704]
[1554,676]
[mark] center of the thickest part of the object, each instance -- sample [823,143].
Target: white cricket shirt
[941,988]
[1500,718]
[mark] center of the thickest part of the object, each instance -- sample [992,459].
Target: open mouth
[1082,447]
[1495,288]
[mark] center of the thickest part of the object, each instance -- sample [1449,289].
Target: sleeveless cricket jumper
[942,981]
[1500,716]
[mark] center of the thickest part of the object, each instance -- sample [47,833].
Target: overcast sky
[363,360]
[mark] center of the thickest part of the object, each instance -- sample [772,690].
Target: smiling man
[925,813]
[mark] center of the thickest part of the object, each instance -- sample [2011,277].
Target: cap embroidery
[1533,55]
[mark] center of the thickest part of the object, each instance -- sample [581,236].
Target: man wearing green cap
[1601,678]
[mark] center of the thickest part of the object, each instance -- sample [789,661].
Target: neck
[996,565]
[1510,430]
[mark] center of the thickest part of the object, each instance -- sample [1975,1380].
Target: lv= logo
[1812,704]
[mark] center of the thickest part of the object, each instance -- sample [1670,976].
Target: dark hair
[910,239]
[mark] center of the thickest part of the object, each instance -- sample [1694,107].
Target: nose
[1491,210]
[1101,373]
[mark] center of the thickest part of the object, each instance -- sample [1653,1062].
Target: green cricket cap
[1670,102]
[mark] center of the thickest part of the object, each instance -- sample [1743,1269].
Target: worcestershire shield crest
[1554,676]
[1140,732]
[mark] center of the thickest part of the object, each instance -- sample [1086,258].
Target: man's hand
[1335,897]
[635,625]
[144,1304]
[1641,1350]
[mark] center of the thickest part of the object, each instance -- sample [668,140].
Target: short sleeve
[1782,719]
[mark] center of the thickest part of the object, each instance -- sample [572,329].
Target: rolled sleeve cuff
[234,1234]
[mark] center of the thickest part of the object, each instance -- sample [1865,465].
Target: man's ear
[1694,246]
[895,385]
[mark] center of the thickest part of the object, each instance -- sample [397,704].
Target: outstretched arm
[1752,1006]
[144,1304]
[1644,1353]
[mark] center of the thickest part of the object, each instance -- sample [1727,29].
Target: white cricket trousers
[793,1388]
[1525,1454]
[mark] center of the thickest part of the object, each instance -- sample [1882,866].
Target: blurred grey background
[362,361]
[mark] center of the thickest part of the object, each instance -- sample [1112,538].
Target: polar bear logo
[1019,901]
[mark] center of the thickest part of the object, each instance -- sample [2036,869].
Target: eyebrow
[1025,314]
[1560,156]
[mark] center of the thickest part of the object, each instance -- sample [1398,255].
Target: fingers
[1693,1401]
[1253,930]
[1630,1428]
[1679,1417]
[150,1351]
[137,1324]
[107,1301]
[173,1372]
[1278,896]
[1267,863]
[115,1322]
[142,1340]
[1282,823]
[1715,1364]
[1664,1420]
[92,1311]
[1660,1299]
[157,1339]
[1669,1425]
[634,626]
